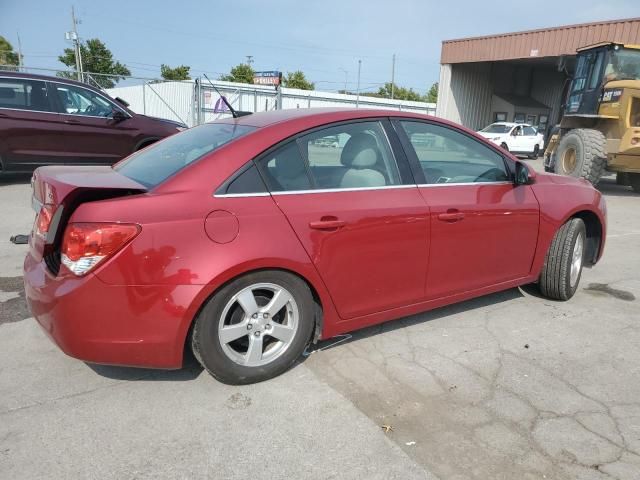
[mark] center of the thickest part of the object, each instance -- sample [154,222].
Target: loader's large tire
[581,153]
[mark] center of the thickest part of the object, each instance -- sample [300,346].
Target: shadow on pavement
[190,371]
[610,188]
[391,325]
[14,178]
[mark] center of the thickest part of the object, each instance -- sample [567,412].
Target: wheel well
[145,143]
[594,234]
[318,314]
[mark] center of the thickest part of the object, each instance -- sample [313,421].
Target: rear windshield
[496,128]
[156,163]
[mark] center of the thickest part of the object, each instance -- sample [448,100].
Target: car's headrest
[360,151]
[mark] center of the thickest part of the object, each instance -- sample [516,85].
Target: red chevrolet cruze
[248,238]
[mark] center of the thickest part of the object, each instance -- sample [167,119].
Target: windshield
[153,165]
[496,128]
[624,64]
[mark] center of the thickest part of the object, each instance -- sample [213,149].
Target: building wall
[547,42]
[546,87]
[465,94]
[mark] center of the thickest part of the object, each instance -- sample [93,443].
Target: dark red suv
[50,120]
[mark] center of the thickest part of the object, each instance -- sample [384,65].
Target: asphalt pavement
[507,386]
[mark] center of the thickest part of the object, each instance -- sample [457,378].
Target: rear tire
[581,153]
[254,328]
[634,181]
[562,268]
[536,152]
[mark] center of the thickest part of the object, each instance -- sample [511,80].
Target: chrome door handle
[451,217]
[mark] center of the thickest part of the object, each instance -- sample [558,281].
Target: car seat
[362,157]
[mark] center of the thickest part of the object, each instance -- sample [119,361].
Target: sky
[325,39]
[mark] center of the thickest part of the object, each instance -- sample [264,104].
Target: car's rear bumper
[143,326]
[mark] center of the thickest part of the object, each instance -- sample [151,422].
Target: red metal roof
[547,42]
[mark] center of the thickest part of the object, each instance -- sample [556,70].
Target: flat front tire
[254,328]
[563,264]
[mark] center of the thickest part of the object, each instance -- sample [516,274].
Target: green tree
[96,58]
[242,73]
[9,60]
[297,79]
[399,93]
[177,73]
[432,94]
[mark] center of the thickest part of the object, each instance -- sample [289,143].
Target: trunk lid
[58,190]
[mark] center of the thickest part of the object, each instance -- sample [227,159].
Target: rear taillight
[85,245]
[43,222]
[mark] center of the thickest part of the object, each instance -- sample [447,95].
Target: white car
[517,138]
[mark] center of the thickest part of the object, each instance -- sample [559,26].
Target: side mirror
[117,115]
[523,176]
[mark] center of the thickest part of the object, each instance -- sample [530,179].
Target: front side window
[24,95]
[156,163]
[353,155]
[452,157]
[80,101]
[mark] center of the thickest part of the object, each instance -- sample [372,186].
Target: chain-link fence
[199,100]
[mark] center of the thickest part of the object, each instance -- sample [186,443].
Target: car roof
[511,124]
[318,115]
[46,78]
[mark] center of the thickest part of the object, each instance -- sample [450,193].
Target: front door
[31,133]
[357,213]
[95,137]
[483,228]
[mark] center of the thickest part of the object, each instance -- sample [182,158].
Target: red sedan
[248,238]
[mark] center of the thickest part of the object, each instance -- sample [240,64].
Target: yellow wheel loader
[600,128]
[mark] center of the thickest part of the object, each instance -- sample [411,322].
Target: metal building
[518,76]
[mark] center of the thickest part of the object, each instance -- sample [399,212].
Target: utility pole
[345,78]
[393,73]
[76,41]
[249,59]
[358,90]
[20,64]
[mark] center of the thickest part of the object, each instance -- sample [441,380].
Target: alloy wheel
[576,260]
[258,324]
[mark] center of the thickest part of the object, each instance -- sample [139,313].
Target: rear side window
[156,163]
[24,95]
[345,156]
[530,131]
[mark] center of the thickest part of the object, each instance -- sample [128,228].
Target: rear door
[357,211]
[31,132]
[483,228]
[95,136]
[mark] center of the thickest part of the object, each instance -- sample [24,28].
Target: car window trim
[414,160]
[338,190]
[97,92]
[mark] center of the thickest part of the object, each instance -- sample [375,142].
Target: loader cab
[596,65]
